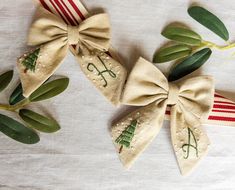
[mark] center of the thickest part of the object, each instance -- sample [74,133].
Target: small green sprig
[34,122]
[189,49]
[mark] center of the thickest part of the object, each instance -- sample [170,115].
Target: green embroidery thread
[190,145]
[101,73]
[30,60]
[127,135]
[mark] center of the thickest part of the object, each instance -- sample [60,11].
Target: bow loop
[197,95]
[95,32]
[145,85]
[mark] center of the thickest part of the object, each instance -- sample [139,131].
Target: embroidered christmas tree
[127,135]
[30,60]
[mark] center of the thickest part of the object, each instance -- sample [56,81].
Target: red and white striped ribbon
[73,12]
[223,112]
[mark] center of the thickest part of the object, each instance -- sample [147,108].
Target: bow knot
[173,94]
[73,34]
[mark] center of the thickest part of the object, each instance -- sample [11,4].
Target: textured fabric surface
[81,155]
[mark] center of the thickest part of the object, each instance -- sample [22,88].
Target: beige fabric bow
[190,102]
[54,38]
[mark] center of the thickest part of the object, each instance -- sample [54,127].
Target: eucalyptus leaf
[190,64]
[172,53]
[17,131]
[17,95]
[209,20]
[5,79]
[182,35]
[39,122]
[49,90]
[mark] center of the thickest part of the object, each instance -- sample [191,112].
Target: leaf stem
[15,107]
[213,45]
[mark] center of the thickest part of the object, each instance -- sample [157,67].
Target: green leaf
[172,53]
[209,20]
[17,131]
[5,79]
[30,60]
[182,35]
[39,122]
[49,90]
[190,64]
[17,95]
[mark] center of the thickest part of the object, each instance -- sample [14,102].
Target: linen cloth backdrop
[81,155]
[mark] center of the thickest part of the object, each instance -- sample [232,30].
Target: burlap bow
[190,102]
[91,37]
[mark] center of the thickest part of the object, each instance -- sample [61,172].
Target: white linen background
[81,155]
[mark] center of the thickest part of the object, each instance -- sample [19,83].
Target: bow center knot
[73,34]
[173,94]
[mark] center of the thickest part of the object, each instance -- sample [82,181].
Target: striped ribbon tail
[223,112]
[72,12]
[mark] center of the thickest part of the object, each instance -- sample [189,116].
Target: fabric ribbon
[190,103]
[54,37]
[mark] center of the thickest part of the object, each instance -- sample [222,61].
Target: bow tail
[133,134]
[38,65]
[189,140]
[107,74]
